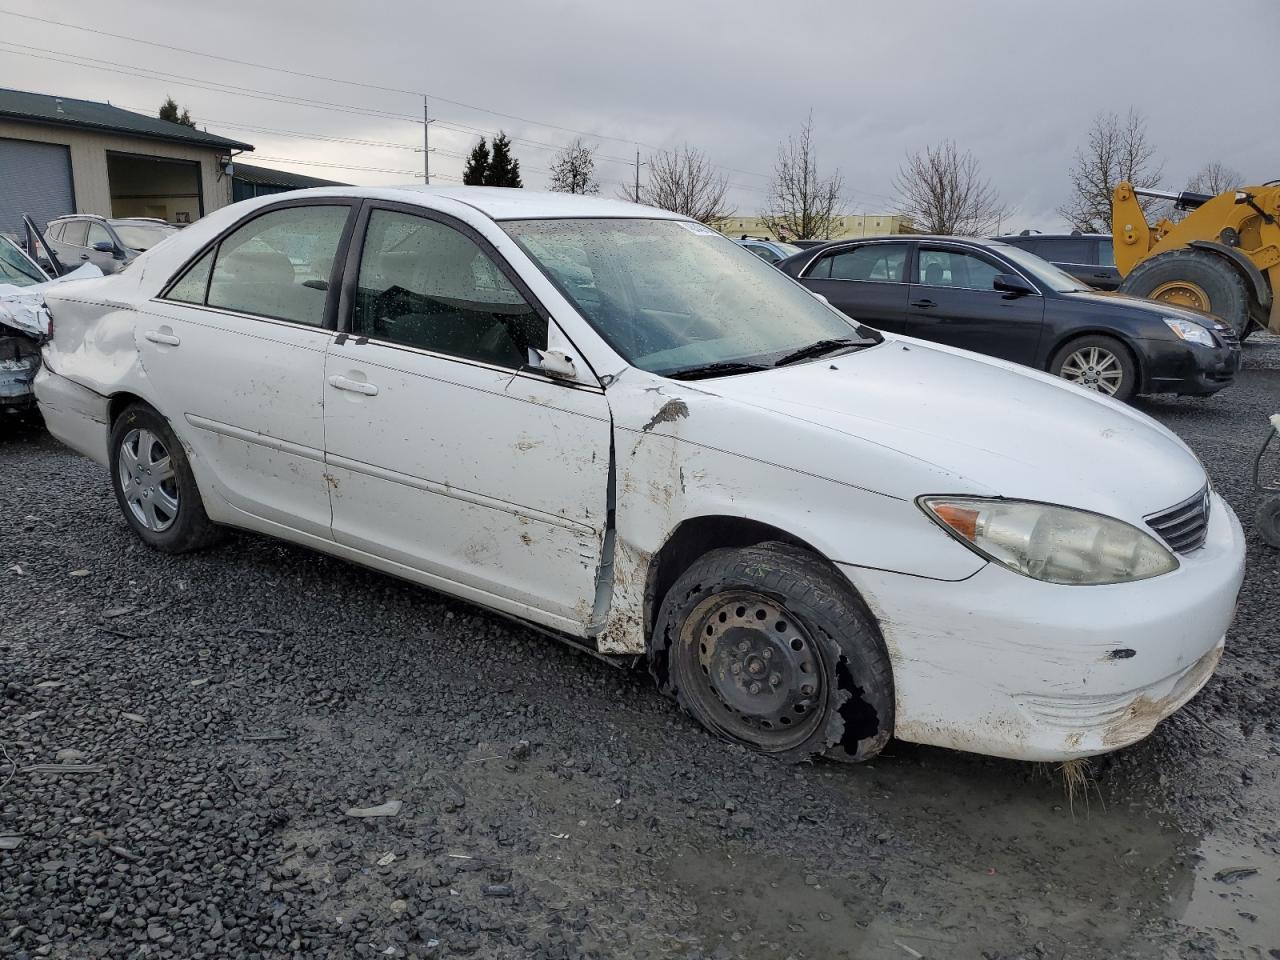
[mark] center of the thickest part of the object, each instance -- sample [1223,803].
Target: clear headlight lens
[1191,332]
[1053,544]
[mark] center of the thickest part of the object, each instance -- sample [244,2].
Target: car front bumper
[1005,665]
[1173,366]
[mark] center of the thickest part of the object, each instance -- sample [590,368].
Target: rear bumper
[1004,665]
[74,414]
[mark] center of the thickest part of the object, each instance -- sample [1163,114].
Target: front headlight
[1053,544]
[1189,331]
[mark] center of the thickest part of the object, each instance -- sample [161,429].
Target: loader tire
[1197,279]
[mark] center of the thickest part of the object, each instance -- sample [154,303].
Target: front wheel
[154,485]
[770,648]
[1099,363]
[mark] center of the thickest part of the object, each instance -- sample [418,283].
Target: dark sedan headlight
[1190,331]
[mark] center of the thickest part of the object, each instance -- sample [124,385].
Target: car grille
[1184,527]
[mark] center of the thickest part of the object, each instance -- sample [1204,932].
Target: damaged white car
[615,424]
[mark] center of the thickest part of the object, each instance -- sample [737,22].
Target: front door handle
[355,386]
[923,304]
[168,339]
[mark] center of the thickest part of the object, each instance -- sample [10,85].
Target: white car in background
[618,425]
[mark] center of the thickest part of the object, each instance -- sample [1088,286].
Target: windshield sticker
[697,228]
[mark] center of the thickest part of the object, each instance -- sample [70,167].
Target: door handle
[354,386]
[168,339]
[1102,276]
[923,304]
[84,256]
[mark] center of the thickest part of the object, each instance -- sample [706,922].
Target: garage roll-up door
[35,178]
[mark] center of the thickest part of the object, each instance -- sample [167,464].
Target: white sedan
[615,424]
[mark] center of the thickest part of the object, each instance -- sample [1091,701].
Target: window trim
[215,244]
[968,251]
[351,279]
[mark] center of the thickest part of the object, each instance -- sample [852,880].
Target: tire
[1092,361]
[1207,276]
[1268,521]
[770,648]
[154,485]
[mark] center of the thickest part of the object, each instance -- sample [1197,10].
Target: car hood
[1111,300]
[1006,430]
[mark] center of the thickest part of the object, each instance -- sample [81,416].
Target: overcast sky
[1014,81]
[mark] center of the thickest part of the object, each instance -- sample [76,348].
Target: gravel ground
[228,708]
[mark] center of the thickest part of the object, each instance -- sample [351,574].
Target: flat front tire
[154,485]
[770,648]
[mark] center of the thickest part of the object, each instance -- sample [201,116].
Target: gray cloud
[1015,81]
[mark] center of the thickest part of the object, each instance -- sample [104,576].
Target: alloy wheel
[145,473]
[1094,368]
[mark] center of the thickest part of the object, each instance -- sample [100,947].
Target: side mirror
[1012,285]
[105,246]
[553,363]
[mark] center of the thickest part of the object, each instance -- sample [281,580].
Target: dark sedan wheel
[154,485]
[769,648]
[1098,363]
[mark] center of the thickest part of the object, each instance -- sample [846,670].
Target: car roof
[500,203]
[1053,236]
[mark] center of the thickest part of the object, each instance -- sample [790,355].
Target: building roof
[46,108]
[266,177]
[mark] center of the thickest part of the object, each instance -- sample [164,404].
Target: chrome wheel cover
[147,481]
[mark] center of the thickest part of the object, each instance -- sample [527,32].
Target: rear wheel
[1196,279]
[1098,363]
[768,647]
[154,485]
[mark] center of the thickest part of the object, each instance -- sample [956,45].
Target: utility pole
[427,121]
[635,196]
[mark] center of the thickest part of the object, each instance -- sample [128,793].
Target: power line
[315,76]
[339,80]
[347,166]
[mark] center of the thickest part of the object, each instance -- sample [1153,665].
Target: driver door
[445,453]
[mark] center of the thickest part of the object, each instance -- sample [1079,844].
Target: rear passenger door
[234,351]
[953,301]
[866,282]
[448,455]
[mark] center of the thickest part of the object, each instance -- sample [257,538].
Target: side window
[54,232]
[424,284]
[1106,252]
[194,283]
[883,262]
[764,253]
[1069,250]
[951,268]
[820,270]
[98,234]
[278,265]
[73,232]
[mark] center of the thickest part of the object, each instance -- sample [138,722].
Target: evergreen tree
[169,111]
[477,168]
[504,169]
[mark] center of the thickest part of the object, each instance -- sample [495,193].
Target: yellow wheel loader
[1222,258]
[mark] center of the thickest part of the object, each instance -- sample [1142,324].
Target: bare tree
[943,191]
[573,169]
[1117,150]
[1215,178]
[802,204]
[684,181]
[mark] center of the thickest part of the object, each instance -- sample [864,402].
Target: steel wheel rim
[759,675]
[1094,368]
[147,480]
[1183,293]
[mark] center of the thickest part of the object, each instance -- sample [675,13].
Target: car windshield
[15,268]
[143,236]
[1041,270]
[674,296]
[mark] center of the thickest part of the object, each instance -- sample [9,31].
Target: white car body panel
[494,485]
